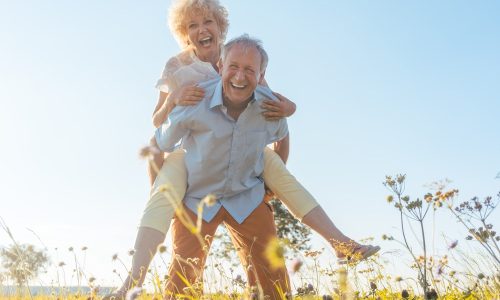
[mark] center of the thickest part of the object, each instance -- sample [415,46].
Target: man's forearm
[282,148]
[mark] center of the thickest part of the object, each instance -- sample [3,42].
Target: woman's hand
[186,95]
[275,110]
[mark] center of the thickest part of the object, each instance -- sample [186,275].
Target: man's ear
[261,78]
[219,66]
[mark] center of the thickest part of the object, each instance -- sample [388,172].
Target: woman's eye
[192,26]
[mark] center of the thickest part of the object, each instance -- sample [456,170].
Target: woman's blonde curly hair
[182,9]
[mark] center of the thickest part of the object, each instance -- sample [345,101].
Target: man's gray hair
[247,41]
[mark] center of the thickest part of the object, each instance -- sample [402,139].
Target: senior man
[224,138]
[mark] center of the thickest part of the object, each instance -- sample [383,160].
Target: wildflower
[405,294]
[131,252]
[400,178]
[115,256]
[440,270]
[480,276]
[61,264]
[398,279]
[84,248]
[210,200]
[432,294]
[70,249]
[310,287]
[373,286]
[296,265]
[162,248]
[453,245]
[275,254]
[327,297]
[342,279]
[91,279]
[390,198]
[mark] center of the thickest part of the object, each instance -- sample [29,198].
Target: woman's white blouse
[183,69]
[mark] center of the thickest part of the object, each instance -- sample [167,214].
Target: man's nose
[239,75]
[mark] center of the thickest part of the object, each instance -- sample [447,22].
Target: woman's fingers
[191,95]
[271,106]
[272,116]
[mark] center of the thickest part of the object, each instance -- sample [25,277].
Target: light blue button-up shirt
[224,157]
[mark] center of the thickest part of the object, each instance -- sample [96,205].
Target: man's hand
[186,95]
[275,110]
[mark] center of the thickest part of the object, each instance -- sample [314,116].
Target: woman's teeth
[206,41]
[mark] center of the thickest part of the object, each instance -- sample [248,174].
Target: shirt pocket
[255,141]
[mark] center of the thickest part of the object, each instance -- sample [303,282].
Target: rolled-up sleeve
[169,135]
[278,130]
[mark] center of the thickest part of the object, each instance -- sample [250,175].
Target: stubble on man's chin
[230,104]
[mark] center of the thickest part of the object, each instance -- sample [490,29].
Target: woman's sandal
[358,255]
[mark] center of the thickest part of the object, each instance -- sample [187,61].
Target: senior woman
[200,26]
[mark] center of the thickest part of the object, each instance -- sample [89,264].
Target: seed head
[162,248]
[210,200]
[148,152]
[453,244]
[296,265]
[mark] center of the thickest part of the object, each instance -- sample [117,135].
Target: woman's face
[203,35]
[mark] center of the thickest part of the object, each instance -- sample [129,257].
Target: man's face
[240,73]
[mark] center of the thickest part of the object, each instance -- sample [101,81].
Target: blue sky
[381,87]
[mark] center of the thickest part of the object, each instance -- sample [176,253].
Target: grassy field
[468,269]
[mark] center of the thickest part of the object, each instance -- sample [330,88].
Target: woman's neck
[213,58]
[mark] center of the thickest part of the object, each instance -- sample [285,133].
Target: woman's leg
[154,165]
[167,192]
[303,205]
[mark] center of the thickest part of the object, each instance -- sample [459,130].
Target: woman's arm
[184,96]
[282,148]
[275,110]
[162,109]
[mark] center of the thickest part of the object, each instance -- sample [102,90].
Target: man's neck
[235,110]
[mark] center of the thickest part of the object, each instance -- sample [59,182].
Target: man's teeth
[238,86]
